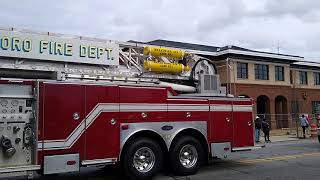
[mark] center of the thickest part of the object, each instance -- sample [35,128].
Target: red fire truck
[68,102]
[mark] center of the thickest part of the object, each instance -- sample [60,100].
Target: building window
[295,107]
[261,71]
[315,107]
[303,77]
[316,76]
[291,77]
[242,70]
[279,73]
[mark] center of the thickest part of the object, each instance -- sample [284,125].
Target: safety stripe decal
[188,107]
[234,108]
[131,107]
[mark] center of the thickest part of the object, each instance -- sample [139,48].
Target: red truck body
[94,137]
[95,121]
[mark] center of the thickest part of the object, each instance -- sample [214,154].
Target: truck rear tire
[142,159]
[186,156]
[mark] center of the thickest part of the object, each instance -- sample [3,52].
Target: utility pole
[278,47]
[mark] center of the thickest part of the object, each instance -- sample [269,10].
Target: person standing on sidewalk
[266,130]
[257,125]
[304,124]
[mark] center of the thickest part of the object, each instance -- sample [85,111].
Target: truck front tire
[186,156]
[142,159]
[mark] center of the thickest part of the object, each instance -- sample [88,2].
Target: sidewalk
[275,139]
[283,138]
[284,134]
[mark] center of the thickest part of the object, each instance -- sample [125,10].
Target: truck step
[248,148]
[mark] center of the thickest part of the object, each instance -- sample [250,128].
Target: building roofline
[306,65]
[232,51]
[218,51]
[261,54]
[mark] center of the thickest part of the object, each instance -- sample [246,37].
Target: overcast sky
[253,24]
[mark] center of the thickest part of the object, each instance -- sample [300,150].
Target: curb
[280,140]
[283,140]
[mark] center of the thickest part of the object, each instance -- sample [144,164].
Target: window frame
[303,79]
[315,105]
[279,72]
[243,73]
[261,71]
[316,77]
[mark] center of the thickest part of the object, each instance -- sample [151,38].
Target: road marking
[279,158]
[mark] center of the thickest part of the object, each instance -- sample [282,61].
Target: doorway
[281,111]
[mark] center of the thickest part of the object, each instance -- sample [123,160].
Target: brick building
[282,90]
[283,86]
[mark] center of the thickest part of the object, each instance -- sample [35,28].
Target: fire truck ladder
[131,68]
[131,65]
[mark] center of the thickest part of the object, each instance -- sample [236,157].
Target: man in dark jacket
[257,125]
[266,130]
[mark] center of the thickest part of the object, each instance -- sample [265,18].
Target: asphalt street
[290,160]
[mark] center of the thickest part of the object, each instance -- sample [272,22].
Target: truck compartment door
[243,125]
[102,123]
[221,123]
[63,118]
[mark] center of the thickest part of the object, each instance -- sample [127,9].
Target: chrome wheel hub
[188,156]
[144,159]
